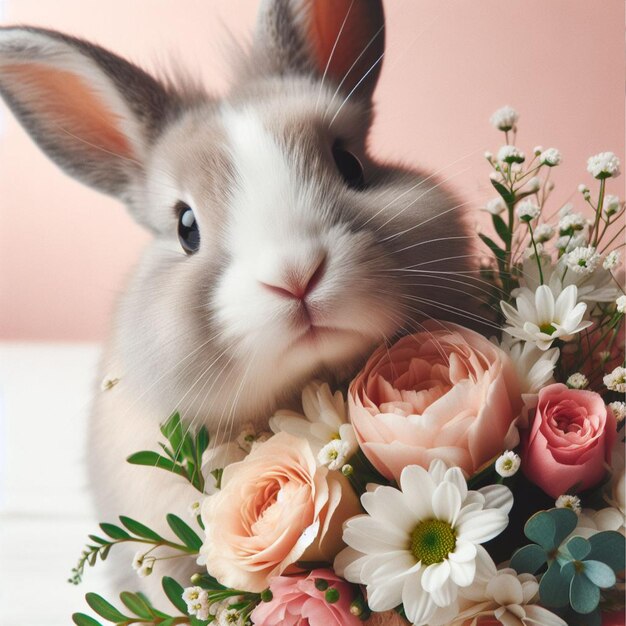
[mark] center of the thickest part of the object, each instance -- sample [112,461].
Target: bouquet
[457,479]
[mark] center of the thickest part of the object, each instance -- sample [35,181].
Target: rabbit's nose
[295,278]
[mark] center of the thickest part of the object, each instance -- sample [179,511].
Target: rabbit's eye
[349,167]
[188,233]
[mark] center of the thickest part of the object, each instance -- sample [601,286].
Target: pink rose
[445,393]
[274,508]
[568,441]
[297,602]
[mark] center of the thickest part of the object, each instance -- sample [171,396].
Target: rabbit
[282,250]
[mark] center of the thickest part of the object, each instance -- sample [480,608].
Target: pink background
[65,250]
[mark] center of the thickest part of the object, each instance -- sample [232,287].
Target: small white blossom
[566,209]
[537,150]
[228,617]
[334,454]
[543,233]
[495,206]
[603,165]
[197,600]
[488,155]
[611,205]
[577,381]
[570,223]
[532,186]
[510,154]
[138,560]
[246,437]
[611,260]
[583,260]
[582,188]
[527,210]
[619,410]
[504,118]
[108,382]
[616,380]
[194,509]
[146,569]
[568,502]
[621,304]
[529,253]
[508,464]
[567,243]
[550,157]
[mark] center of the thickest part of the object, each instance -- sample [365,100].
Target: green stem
[598,213]
[537,257]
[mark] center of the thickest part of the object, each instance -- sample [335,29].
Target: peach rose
[568,441]
[445,393]
[274,508]
[298,602]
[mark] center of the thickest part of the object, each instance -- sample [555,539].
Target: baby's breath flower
[488,155]
[108,382]
[146,569]
[334,454]
[510,154]
[568,502]
[567,243]
[611,205]
[570,223]
[611,260]
[621,304]
[504,118]
[197,600]
[577,381]
[533,185]
[495,206]
[619,410]
[616,380]
[138,560]
[527,210]
[508,464]
[583,188]
[537,150]
[603,165]
[550,157]
[583,260]
[543,233]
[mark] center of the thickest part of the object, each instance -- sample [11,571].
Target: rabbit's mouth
[315,335]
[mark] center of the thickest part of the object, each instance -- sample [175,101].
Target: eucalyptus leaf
[553,588]
[608,547]
[578,547]
[529,559]
[600,574]
[565,521]
[184,532]
[80,619]
[104,608]
[541,529]
[584,596]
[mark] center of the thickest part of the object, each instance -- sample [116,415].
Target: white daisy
[419,545]
[508,464]
[540,318]
[583,260]
[619,410]
[577,381]
[527,210]
[495,206]
[534,366]
[611,261]
[543,233]
[611,205]
[567,501]
[616,380]
[325,419]
[603,165]
[510,154]
[621,303]
[504,118]
[550,157]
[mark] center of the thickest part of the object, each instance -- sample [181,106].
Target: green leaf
[154,459]
[175,593]
[113,531]
[104,608]
[565,522]
[98,539]
[600,574]
[493,246]
[134,603]
[202,440]
[584,596]
[173,431]
[184,532]
[553,588]
[541,529]
[578,547]
[139,529]
[529,559]
[154,610]
[80,619]
[506,195]
[608,547]
[501,228]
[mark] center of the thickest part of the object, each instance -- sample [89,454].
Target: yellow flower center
[432,541]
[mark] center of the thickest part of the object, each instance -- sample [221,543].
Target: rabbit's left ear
[342,40]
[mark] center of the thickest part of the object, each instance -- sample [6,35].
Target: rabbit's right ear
[92,112]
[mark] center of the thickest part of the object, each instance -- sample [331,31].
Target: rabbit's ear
[92,112]
[342,40]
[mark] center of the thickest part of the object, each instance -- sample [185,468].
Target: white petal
[390,506]
[505,589]
[435,576]
[497,497]
[481,526]
[417,486]
[463,574]
[384,595]
[437,470]
[446,594]
[455,476]
[463,551]
[565,302]
[349,563]
[418,605]
[542,616]
[446,502]
[369,536]
[544,303]
[506,618]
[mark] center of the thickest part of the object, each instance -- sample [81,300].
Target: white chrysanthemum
[591,522]
[541,318]
[611,261]
[419,545]
[621,303]
[583,260]
[619,410]
[550,157]
[534,366]
[603,165]
[335,454]
[567,501]
[324,420]
[197,600]
[577,381]
[507,597]
[508,464]
[611,205]
[527,210]
[504,118]
[571,222]
[495,206]
[543,233]
[616,380]
[510,154]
